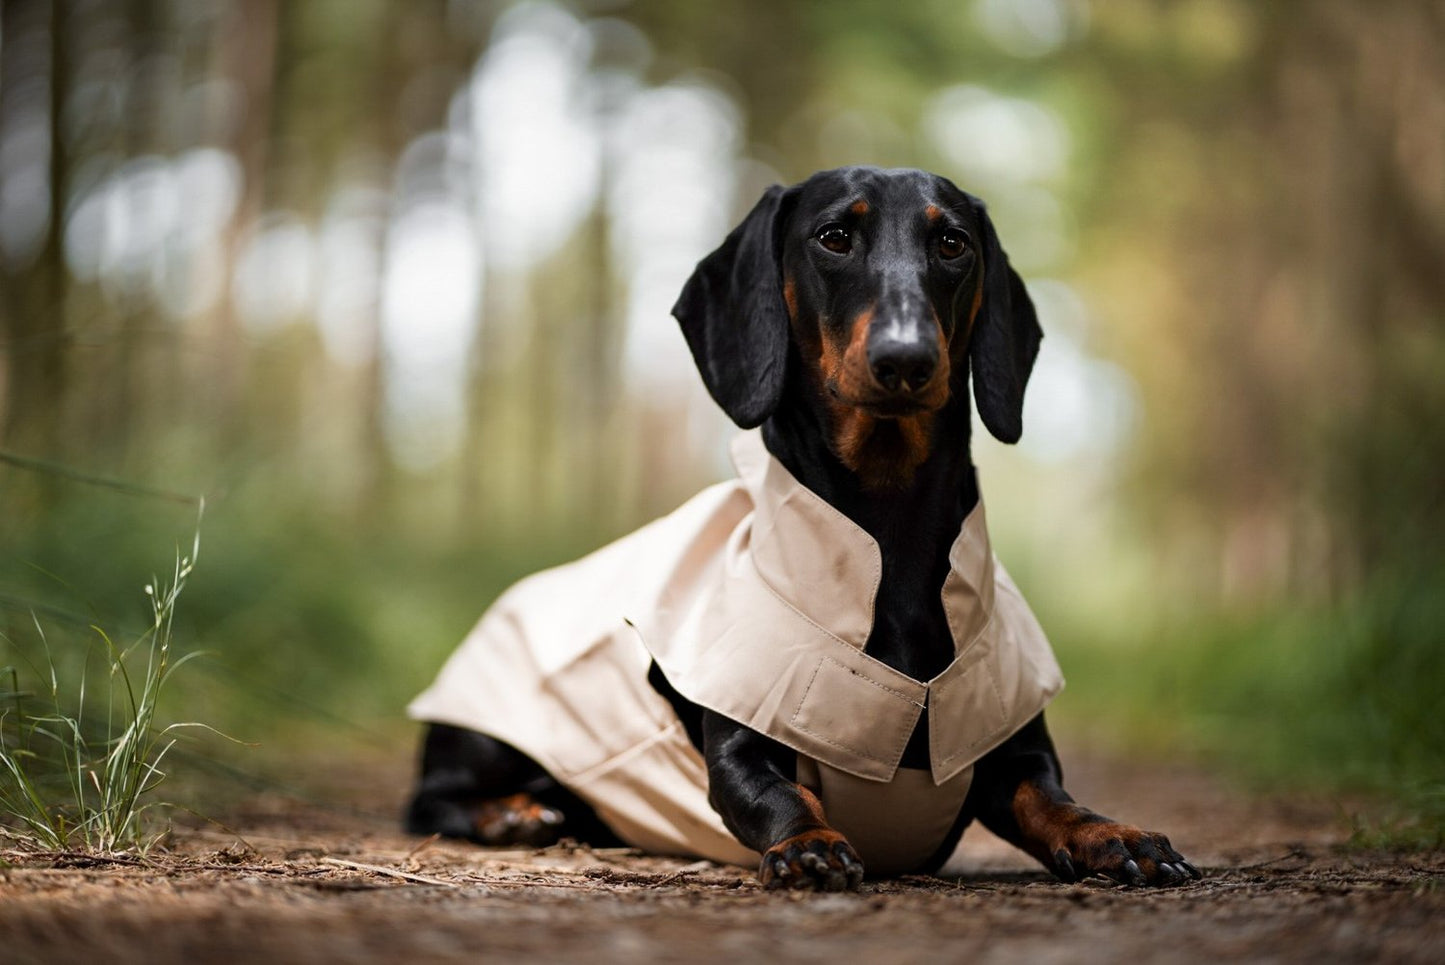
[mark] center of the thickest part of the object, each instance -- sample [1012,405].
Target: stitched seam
[661,735]
[884,687]
[806,691]
[844,747]
[830,635]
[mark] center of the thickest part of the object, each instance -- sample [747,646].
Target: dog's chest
[910,633]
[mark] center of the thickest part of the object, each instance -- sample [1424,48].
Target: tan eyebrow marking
[859,207]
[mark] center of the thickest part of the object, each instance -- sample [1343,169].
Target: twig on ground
[681,873]
[422,846]
[529,883]
[390,872]
[1291,853]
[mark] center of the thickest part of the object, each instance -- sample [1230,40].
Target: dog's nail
[1190,870]
[1132,872]
[779,872]
[1065,865]
[852,867]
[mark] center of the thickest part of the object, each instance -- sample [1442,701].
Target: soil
[294,881]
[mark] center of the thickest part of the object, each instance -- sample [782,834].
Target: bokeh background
[388,284]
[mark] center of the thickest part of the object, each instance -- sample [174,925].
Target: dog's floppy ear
[733,316]
[1004,342]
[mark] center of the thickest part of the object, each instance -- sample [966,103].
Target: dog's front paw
[820,860]
[1119,851]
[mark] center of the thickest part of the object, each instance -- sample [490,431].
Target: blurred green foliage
[302,621]
[1332,697]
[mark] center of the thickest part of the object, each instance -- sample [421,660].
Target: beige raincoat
[755,598]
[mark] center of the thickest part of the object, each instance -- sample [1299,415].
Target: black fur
[461,769]
[733,317]
[1005,340]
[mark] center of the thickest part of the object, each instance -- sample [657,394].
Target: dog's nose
[903,365]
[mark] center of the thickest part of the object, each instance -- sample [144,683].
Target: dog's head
[876,290]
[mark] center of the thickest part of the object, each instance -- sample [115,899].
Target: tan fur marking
[811,802]
[932,212]
[977,300]
[958,351]
[1044,825]
[844,368]
[935,393]
[852,428]
[826,835]
[1048,825]
[859,207]
[885,453]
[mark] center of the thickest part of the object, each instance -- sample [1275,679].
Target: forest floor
[301,881]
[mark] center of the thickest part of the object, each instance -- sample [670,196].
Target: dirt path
[317,884]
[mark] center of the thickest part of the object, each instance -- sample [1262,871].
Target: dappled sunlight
[995,139]
[1078,404]
[351,272]
[156,224]
[1031,28]
[427,310]
[537,148]
[671,200]
[275,273]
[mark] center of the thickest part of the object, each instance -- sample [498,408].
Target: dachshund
[844,317]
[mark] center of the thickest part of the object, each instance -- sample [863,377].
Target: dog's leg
[476,787]
[751,785]
[1018,794]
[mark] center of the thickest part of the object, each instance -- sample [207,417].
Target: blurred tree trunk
[597,388]
[34,64]
[1358,220]
[767,48]
[246,42]
[129,392]
[1298,195]
[478,478]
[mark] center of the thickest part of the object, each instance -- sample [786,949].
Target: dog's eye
[952,244]
[835,238]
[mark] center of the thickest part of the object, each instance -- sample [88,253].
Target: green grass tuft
[78,767]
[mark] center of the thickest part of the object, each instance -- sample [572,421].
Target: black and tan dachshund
[844,316]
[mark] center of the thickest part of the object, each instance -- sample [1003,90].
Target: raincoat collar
[770,631]
[804,549]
